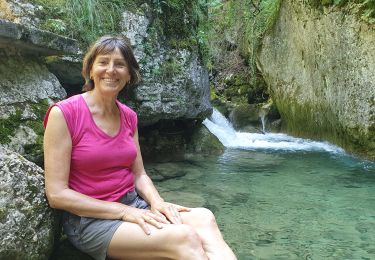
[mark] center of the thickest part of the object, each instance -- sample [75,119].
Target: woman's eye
[120,65]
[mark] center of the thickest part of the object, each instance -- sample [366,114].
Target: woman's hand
[169,211]
[144,218]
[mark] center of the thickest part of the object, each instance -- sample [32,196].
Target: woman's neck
[98,103]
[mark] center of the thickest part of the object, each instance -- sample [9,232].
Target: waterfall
[229,137]
[263,120]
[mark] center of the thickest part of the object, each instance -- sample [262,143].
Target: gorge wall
[319,65]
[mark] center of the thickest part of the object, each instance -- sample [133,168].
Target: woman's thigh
[131,242]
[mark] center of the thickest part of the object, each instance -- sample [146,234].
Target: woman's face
[110,72]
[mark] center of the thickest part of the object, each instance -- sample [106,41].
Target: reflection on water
[283,205]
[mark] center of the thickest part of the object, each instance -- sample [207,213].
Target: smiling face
[110,72]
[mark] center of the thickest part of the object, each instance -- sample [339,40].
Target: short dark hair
[105,45]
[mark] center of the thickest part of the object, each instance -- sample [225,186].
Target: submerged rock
[26,221]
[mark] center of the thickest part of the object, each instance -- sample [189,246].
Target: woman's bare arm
[147,190]
[143,183]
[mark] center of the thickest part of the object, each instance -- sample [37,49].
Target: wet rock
[203,142]
[244,115]
[164,171]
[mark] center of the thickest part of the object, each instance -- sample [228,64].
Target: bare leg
[203,221]
[170,242]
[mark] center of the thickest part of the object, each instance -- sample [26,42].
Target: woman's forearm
[85,206]
[146,188]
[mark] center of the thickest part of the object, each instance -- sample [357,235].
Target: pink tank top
[100,164]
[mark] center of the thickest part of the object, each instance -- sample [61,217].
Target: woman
[94,172]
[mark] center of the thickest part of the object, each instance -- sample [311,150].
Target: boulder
[26,221]
[203,142]
[175,84]
[244,115]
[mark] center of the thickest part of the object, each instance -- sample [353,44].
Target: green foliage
[366,8]
[177,21]
[230,39]
[84,20]
[90,19]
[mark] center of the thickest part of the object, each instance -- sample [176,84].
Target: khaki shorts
[91,235]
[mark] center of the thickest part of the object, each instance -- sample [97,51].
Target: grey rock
[23,81]
[28,87]
[175,84]
[26,221]
[67,69]
[134,26]
[185,97]
[34,41]
[244,115]
[22,12]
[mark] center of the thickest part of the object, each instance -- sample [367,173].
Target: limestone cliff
[320,69]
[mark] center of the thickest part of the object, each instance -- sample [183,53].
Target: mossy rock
[202,141]
[245,114]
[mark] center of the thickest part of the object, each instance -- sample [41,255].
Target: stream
[280,197]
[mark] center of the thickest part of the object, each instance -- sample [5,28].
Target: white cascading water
[224,131]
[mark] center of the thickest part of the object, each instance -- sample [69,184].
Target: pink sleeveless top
[100,164]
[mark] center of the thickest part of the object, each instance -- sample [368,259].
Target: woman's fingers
[160,217]
[182,208]
[142,223]
[153,220]
[174,215]
[144,218]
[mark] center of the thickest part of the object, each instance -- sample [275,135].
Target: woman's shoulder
[130,116]
[127,110]
[76,99]
[68,108]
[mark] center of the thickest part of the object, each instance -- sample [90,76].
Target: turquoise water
[273,204]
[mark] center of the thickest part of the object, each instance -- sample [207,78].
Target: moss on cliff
[8,126]
[320,123]
[364,8]
[34,151]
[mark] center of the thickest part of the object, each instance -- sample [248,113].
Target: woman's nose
[110,67]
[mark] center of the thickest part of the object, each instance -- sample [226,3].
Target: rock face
[320,68]
[26,222]
[20,11]
[26,90]
[175,84]
[26,85]
[34,41]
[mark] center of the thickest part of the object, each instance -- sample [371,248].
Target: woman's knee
[189,243]
[205,217]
